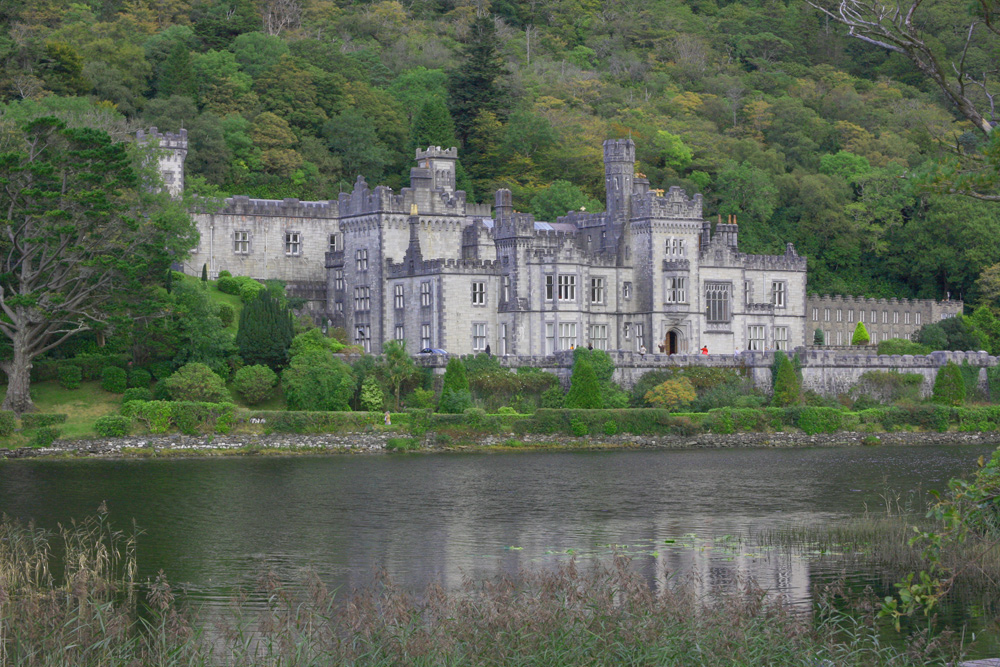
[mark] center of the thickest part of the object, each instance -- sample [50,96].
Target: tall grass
[93,612]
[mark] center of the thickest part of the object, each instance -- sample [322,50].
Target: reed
[93,612]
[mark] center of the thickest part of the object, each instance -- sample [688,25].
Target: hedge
[8,420]
[90,366]
[113,426]
[274,421]
[41,419]
[188,417]
[114,379]
[45,436]
[70,376]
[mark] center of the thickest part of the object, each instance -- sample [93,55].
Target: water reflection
[214,523]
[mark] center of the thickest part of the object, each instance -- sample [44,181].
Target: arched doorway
[673,342]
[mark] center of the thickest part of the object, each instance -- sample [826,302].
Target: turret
[435,168]
[619,174]
[171,155]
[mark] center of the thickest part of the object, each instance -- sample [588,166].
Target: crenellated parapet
[946,308]
[674,204]
[773,262]
[168,140]
[439,266]
[284,208]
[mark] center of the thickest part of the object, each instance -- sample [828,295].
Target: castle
[428,267]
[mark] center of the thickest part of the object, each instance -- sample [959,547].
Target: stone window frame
[363,336]
[640,335]
[400,335]
[718,301]
[568,335]
[916,318]
[426,300]
[479,336]
[550,337]
[627,289]
[293,246]
[362,298]
[478,293]
[779,293]
[505,287]
[747,292]
[335,244]
[425,335]
[840,315]
[781,338]
[815,314]
[757,337]
[906,317]
[338,307]
[338,280]
[675,289]
[566,287]
[361,259]
[598,291]
[599,336]
[874,319]
[850,316]
[895,317]
[237,241]
[826,314]
[550,289]
[399,299]
[885,317]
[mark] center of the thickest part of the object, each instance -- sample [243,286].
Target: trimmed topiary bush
[137,394]
[139,378]
[197,382]
[8,421]
[506,410]
[949,385]
[70,376]
[228,285]
[250,289]
[113,426]
[225,274]
[226,314]
[860,336]
[786,382]
[114,379]
[584,390]
[254,383]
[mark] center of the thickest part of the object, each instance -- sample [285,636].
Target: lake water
[213,524]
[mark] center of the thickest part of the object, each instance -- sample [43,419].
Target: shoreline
[249,444]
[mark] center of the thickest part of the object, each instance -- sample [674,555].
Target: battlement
[790,261]
[438,266]
[178,141]
[619,150]
[437,152]
[672,205]
[944,308]
[288,208]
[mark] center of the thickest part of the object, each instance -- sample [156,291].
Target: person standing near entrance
[704,350]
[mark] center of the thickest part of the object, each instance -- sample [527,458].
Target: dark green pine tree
[265,332]
[433,126]
[176,77]
[204,273]
[584,389]
[472,86]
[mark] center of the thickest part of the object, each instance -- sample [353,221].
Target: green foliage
[889,386]
[579,428]
[113,426]
[265,331]
[559,198]
[188,417]
[584,390]
[902,346]
[860,335]
[372,398]
[610,427]
[420,399]
[312,340]
[197,382]
[949,386]
[114,379]
[672,394]
[396,368]
[819,420]
[228,285]
[506,410]
[137,394]
[70,376]
[309,422]
[993,383]
[8,421]
[31,420]
[254,383]
[455,394]
[786,382]
[553,397]
[139,378]
[44,436]
[819,338]
[226,314]
[970,378]
[317,381]
[250,290]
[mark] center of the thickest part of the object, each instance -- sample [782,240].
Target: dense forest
[767,107]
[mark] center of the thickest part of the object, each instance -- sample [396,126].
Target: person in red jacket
[704,350]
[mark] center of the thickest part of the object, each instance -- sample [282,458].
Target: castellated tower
[619,172]
[171,155]
[440,165]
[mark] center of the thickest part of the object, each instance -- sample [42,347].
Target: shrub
[161,370]
[224,274]
[860,336]
[189,417]
[949,386]
[721,421]
[644,384]
[786,381]
[553,397]
[113,426]
[819,338]
[160,392]
[475,417]
[139,378]
[228,285]
[402,444]
[114,379]
[579,427]
[584,390]
[610,427]
[819,420]
[902,346]
[254,383]
[993,383]
[44,436]
[137,394]
[8,420]
[970,377]
[505,410]
[226,314]
[889,386]
[31,420]
[372,398]
[70,376]
[250,290]
[420,398]
[672,394]
[265,332]
[197,382]
[317,381]
[455,402]
[455,394]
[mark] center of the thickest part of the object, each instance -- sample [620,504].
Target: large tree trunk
[18,372]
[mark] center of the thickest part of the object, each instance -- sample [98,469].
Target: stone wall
[837,316]
[827,373]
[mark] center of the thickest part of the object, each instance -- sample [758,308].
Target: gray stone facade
[837,316]
[426,266]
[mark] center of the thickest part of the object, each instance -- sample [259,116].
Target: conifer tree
[949,387]
[786,383]
[204,273]
[819,338]
[584,389]
[472,86]
[433,126]
[860,336]
[455,394]
[265,332]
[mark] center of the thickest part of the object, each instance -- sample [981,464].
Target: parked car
[432,350]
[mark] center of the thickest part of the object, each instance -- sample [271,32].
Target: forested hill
[766,108]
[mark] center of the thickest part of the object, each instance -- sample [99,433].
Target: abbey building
[426,266]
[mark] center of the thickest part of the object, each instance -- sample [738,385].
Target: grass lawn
[82,407]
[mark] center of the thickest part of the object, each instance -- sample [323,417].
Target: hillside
[766,108]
